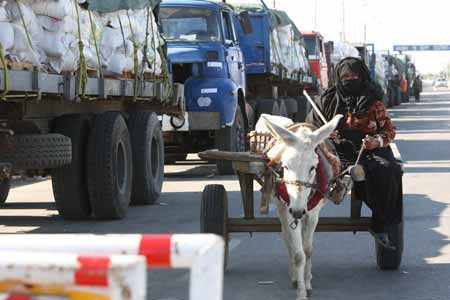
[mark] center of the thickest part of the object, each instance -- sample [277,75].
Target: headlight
[177,123]
[204,101]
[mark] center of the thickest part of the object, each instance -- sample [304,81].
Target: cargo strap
[5,73]
[25,27]
[135,59]
[97,52]
[82,71]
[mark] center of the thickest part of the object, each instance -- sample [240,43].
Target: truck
[229,59]
[318,59]
[98,137]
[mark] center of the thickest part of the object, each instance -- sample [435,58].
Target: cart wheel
[390,259]
[214,213]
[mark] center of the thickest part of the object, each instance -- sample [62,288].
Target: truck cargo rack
[66,85]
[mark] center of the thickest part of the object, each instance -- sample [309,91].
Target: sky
[388,23]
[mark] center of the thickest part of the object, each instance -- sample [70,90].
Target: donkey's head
[295,151]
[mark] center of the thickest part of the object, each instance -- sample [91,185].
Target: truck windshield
[189,24]
[310,43]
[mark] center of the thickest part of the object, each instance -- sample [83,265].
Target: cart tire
[214,213]
[5,186]
[148,158]
[266,106]
[37,151]
[69,182]
[110,166]
[388,259]
[232,138]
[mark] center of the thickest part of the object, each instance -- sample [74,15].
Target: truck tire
[266,106]
[110,166]
[69,182]
[5,186]
[390,259]
[282,109]
[231,138]
[302,107]
[214,213]
[292,107]
[148,157]
[37,151]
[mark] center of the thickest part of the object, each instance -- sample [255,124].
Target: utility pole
[315,15]
[274,4]
[365,34]
[343,20]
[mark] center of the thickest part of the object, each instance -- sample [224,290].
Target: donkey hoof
[309,293]
[294,285]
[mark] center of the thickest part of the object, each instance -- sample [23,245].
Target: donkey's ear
[280,133]
[321,134]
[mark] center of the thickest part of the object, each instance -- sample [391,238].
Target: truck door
[234,55]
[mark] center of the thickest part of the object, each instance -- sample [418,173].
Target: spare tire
[37,151]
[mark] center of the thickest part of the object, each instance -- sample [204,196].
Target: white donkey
[296,152]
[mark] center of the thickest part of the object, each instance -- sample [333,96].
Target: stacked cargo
[47,34]
[287,50]
[342,50]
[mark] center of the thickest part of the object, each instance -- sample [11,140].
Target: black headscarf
[354,97]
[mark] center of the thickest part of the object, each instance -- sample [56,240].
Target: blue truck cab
[204,54]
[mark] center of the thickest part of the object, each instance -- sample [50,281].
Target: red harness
[322,179]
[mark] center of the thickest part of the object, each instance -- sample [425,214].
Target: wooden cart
[251,168]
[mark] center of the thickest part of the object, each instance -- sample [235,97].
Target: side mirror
[246,24]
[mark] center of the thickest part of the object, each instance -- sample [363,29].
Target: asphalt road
[343,264]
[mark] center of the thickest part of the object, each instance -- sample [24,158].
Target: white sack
[6,35]
[52,43]
[3,14]
[50,24]
[55,8]
[21,49]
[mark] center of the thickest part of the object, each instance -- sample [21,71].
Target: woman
[366,123]
[417,87]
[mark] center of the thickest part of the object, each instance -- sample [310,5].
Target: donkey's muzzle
[297,213]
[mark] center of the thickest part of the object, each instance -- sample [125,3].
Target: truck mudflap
[192,121]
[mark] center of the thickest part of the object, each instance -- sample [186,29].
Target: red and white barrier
[203,254]
[25,274]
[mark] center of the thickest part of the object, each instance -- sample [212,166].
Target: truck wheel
[266,106]
[292,107]
[148,157]
[5,186]
[37,151]
[214,213]
[282,109]
[390,259]
[231,139]
[69,182]
[301,114]
[110,166]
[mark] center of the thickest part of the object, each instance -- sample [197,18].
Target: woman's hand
[334,135]
[371,142]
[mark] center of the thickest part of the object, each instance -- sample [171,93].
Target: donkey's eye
[311,170]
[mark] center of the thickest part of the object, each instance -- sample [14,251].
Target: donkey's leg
[282,214]
[308,229]
[293,238]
